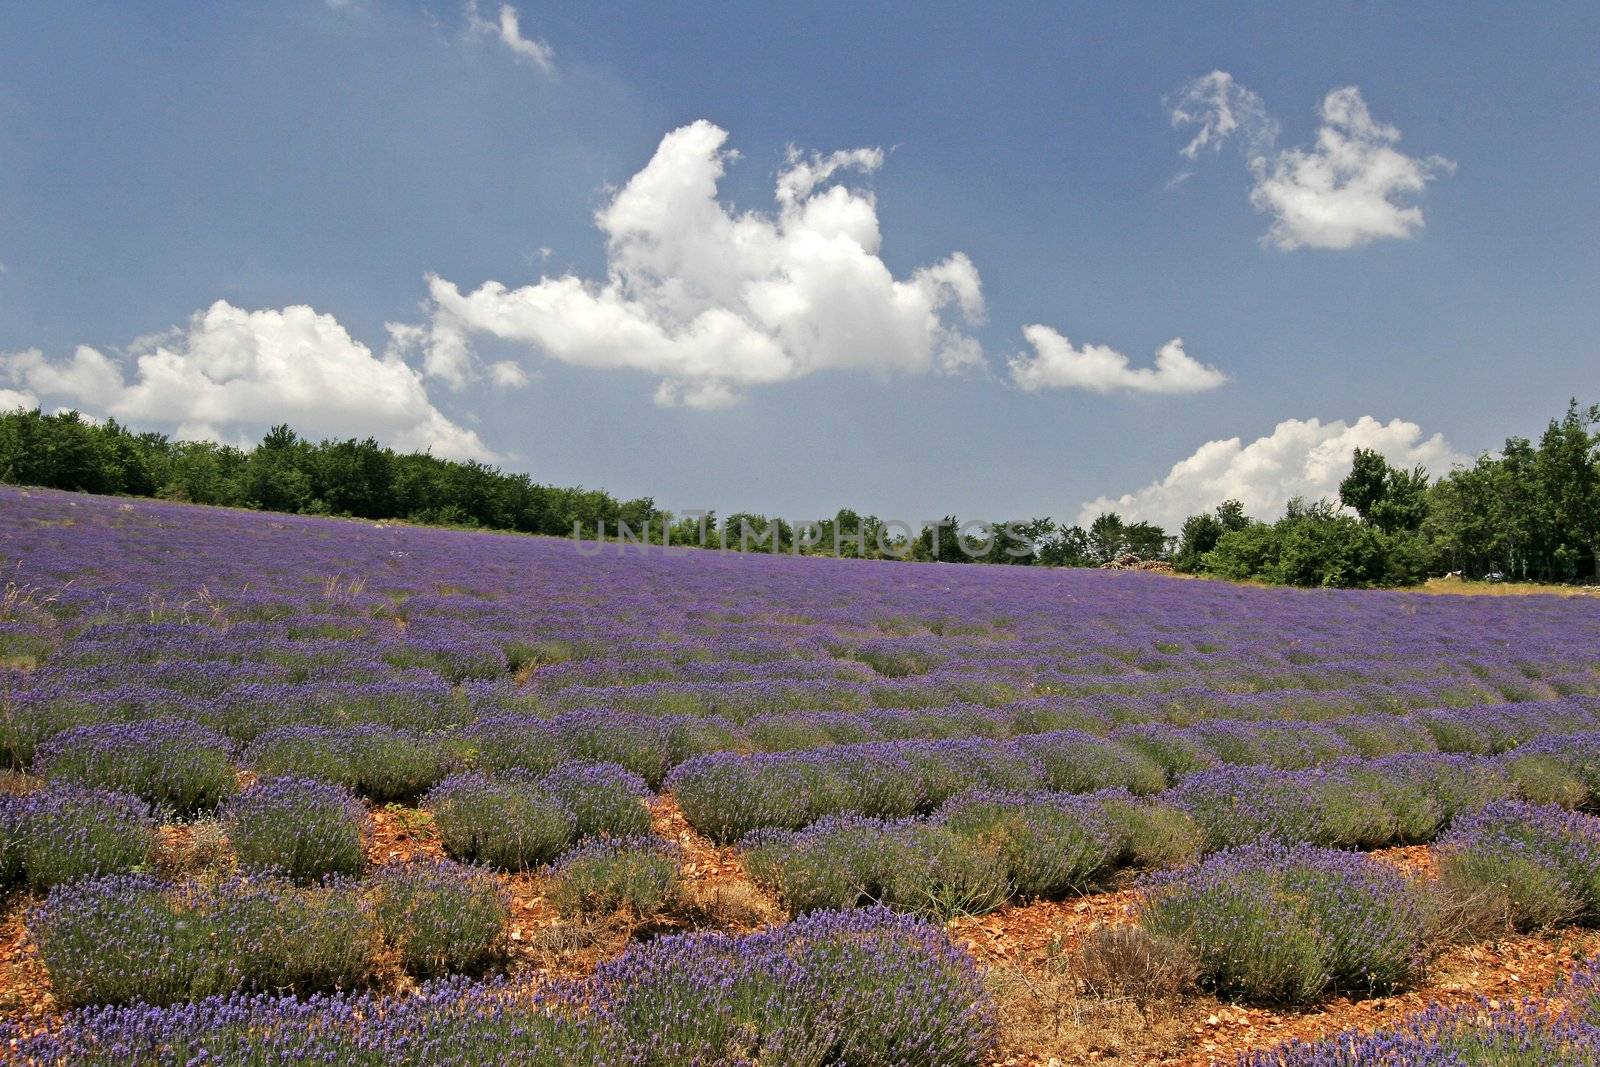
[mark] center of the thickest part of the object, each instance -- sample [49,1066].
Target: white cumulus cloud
[1353,186]
[710,301]
[1057,364]
[240,370]
[506,27]
[12,399]
[1300,457]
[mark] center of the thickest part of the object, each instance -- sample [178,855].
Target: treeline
[361,479]
[1530,513]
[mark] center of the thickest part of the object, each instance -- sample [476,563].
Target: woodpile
[1127,561]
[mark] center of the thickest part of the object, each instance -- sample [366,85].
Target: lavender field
[285,788]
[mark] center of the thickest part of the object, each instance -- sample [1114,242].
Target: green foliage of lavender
[604,798]
[377,761]
[1049,844]
[168,762]
[604,874]
[508,823]
[1524,865]
[127,938]
[1276,924]
[302,828]
[441,917]
[915,867]
[64,833]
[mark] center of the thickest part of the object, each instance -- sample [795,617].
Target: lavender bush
[1148,834]
[863,988]
[1270,923]
[506,823]
[441,917]
[1076,762]
[1524,865]
[168,762]
[604,798]
[909,866]
[1240,805]
[65,833]
[1050,844]
[300,827]
[131,937]
[605,874]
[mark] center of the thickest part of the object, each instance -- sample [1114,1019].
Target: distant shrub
[1268,923]
[441,917]
[64,833]
[509,824]
[1050,844]
[604,874]
[604,798]
[168,762]
[300,827]
[1524,866]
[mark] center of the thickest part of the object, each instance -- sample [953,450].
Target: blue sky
[156,159]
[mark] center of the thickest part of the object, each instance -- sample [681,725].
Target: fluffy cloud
[507,29]
[1349,189]
[244,370]
[1056,364]
[1304,458]
[12,399]
[712,302]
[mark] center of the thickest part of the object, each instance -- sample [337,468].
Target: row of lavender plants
[765,717]
[187,767]
[728,794]
[982,847]
[866,987]
[132,937]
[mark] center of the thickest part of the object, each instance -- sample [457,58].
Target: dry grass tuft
[1126,962]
